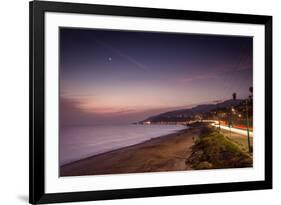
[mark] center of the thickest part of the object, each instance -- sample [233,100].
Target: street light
[217,103]
[234,95]
[247,116]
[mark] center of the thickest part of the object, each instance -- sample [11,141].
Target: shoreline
[126,147]
[164,153]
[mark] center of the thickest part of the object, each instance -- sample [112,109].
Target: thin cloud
[213,75]
[123,55]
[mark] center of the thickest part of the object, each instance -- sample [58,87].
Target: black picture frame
[37,194]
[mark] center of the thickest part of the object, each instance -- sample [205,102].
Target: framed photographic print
[140,102]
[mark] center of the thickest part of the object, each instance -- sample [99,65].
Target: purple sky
[112,77]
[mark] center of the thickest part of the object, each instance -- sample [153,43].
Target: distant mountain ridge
[185,113]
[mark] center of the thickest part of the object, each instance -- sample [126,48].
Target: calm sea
[84,141]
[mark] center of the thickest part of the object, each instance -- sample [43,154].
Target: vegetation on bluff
[212,150]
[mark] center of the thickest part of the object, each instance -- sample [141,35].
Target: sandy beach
[165,153]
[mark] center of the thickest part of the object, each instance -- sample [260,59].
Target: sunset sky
[111,77]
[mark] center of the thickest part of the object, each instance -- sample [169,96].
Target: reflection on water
[84,141]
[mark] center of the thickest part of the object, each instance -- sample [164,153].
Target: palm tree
[234,96]
[251,90]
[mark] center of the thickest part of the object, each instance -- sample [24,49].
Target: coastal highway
[235,130]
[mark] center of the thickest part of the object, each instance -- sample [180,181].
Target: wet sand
[165,153]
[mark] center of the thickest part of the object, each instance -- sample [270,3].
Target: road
[236,135]
[235,130]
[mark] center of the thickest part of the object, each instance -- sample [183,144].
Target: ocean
[80,142]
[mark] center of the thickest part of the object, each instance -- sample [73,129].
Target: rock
[195,157]
[204,165]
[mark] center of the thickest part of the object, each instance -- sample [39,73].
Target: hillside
[185,114]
